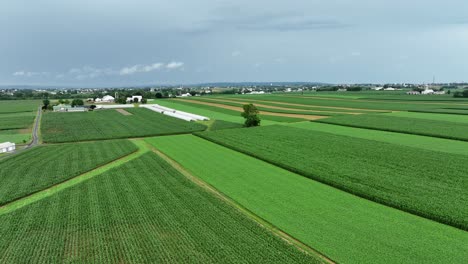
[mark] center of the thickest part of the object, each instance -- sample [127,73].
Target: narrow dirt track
[123,111]
[239,109]
[318,106]
[240,101]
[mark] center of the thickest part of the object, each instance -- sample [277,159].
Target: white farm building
[7,147]
[132,99]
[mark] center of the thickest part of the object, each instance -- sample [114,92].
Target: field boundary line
[394,130]
[51,190]
[259,102]
[260,221]
[239,109]
[348,190]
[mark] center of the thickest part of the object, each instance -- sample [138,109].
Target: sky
[137,42]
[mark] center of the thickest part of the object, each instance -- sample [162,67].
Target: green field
[221,124]
[403,177]
[399,122]
[344,227]
[15,136]
[375,104]
[432,116]
[15,106]
[443,111]
[220,113]
[110,124]
[44,166]
[423,142]
[204,110]
[16,121]
[142,212]
[297,108]
[286,110]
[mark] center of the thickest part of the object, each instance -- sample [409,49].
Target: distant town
[149,92]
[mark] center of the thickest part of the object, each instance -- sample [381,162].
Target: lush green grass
[423,142]
[43,166]
[432,116]
[357,103]
[142,212]
[14,106]
[443,111]
[16,121]
[342,226]
[107,124]
[15,136]
[403,177]
[396,122]
[220,124]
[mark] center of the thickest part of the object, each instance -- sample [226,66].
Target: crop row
[141,212]
[110,124]
[15,122]
[417,126]
[402,177]
[43,166]
[346,228]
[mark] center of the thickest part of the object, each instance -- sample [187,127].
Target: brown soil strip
[239,109]
[263,223]
[318,106]
[123,112]
[281,108]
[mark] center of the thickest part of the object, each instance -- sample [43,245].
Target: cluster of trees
[461,94]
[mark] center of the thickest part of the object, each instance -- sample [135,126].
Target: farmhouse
[68,108]
[132,99]
[7,147]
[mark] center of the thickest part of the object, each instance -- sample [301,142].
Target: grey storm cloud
[156,41]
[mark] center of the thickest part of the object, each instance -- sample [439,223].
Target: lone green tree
[251,115]
[46,104]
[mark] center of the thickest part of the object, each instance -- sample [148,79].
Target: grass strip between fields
[342,226]
[262,222]
[142,148]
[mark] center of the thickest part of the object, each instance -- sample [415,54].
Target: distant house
[7,147]
[68,108]
[413,92]
[390,89]
[132,99]
[186,95]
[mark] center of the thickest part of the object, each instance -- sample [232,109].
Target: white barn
[7,147]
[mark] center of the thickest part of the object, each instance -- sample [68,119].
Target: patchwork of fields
[143,211]
[45,166]
[362,177]
[342,226]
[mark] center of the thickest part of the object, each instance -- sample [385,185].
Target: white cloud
[174,65]
[141,68]
[29,74]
